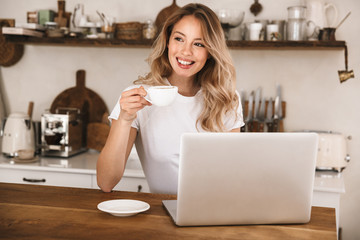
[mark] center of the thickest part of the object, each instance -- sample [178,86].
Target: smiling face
[186,51]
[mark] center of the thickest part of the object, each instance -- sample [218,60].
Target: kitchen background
[316,100]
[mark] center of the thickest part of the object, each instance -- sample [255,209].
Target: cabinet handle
[34,180]
[139,188]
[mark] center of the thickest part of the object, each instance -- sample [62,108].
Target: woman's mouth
[184,63]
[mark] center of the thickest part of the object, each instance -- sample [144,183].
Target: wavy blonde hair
[217,78]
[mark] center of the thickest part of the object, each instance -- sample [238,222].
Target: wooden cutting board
[10,53]
[97,134]
[164,14]
[89,102]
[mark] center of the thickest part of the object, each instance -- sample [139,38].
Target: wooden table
[44,212]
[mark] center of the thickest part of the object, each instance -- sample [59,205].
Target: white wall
[315,98]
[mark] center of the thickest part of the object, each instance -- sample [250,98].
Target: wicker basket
[128,30]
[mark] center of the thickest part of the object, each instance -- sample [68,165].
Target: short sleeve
[235,121]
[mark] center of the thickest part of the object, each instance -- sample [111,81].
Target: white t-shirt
[158,140]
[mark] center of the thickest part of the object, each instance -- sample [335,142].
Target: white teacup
[161,95]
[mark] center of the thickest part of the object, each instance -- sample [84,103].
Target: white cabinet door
[129,184]
[45,178]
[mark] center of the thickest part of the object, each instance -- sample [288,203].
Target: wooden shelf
[294,45]
[78,42]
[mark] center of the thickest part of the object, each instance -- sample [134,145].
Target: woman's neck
[186,86]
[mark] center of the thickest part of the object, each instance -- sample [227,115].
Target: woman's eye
[178,39]
[199,45]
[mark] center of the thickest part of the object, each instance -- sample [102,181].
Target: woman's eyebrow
[185,35]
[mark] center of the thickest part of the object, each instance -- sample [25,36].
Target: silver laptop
[244,178]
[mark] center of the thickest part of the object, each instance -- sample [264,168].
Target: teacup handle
[330,5]
[147,98]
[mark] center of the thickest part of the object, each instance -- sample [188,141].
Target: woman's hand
[131,102]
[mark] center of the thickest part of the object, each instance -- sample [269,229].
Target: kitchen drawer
[130,184]
[45,178]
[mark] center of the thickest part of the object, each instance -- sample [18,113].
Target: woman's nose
[186,49]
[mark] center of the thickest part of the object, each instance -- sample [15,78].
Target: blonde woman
[190,53]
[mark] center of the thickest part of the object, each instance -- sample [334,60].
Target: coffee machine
[63,134]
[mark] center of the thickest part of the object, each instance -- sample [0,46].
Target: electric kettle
[18,134]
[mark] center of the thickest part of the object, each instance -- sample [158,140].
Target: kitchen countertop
[37,212]
[85,163]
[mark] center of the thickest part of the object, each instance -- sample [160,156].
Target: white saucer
[123,207]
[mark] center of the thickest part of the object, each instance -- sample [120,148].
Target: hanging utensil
[249,117]
[261,116]
[242,99]
[278,93]
[341,22]
[346,74]
[276,117]
[256,110]
[269,116]
[256,8]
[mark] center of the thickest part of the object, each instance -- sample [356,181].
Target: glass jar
[149,30]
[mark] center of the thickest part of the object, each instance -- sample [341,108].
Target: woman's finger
[140,91]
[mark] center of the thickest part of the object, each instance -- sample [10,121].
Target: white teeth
[184,62]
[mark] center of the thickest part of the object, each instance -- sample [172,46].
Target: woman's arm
[235,130]
[112,159]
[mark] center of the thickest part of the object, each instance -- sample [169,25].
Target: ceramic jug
[320,14]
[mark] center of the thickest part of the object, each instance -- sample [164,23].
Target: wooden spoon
[30,112]
[30,109]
